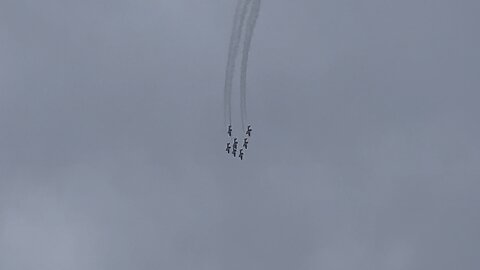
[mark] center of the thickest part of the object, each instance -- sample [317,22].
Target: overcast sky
[365,151]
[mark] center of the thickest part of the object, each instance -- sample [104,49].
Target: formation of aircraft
[232,146]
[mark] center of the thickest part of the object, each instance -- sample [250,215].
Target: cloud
[112,145]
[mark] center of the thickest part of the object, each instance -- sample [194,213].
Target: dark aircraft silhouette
[234,152]
[235,144]
[229,131]
[240,155]
[228,148]
[245,143]
[249,131]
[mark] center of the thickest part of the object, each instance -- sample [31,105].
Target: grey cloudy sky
[365,152]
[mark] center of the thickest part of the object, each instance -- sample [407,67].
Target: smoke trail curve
[235,38]
[250,27]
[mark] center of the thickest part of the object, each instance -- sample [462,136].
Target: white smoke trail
[235,38]
[250,27]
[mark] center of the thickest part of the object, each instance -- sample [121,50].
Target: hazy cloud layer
[365,152]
